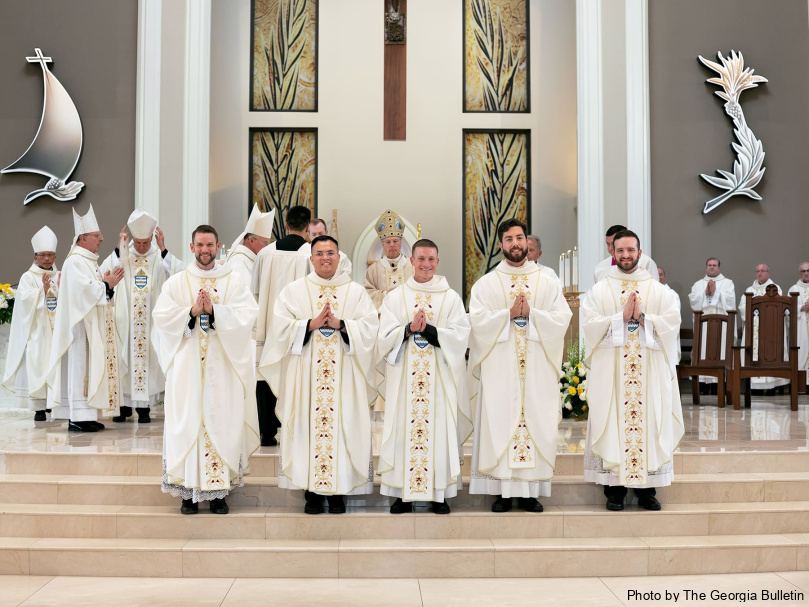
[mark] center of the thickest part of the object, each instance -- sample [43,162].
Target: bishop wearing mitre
[393,268]
[423,334]
[519,318]
[203,324]
[320,364]
[257,235]
[84,334]
[29,343]
[147,264]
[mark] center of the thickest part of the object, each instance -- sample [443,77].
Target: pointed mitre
[141,224]
[259,224]
[44,240]
[86,224]
[389,224]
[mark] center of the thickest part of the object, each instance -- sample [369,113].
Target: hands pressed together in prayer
[520,307]
[805,307]
[711,288]
[325,318]
[113,277]
[203,304]
[632,308]
[419,322]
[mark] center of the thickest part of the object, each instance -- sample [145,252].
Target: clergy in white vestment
[393,269]
[423,334]
[759,288]
[203,323]
[147,264]
[320,365]
[535,252]
[802,289]
[519,318]
[317,227]
[257,234]
[604,266]
[631,323]
[277,265]
[31,335]
[84,334]
[713,294]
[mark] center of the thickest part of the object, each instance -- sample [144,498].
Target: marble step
[403,558]
[376,523]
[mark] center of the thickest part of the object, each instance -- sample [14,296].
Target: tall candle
[575,269]
[562,269]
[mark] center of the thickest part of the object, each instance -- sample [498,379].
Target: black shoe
[615,504]
[47,410]
[400,507]
[40,416]
[119,419]
[314,503]
[219,506]
[501,504]
[269,442]
[441,507]
[189,507]
[80,427]
[530,504]
[143,415]
[96,425]
[649,503]
[337,504]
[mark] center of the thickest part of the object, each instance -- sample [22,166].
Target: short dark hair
[317,221]
[204,229]
[506,225]
[615,229]
[424,243]
[325,238]
[298,217]
[626,234]
[716,259]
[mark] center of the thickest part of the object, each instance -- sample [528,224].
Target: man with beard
[631,323]
[605,265]
[203,325]
[802,289]
[519,318]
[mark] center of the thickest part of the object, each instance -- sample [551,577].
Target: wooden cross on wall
[395,104]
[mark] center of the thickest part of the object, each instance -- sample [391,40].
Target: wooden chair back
[718,332]
[771,314]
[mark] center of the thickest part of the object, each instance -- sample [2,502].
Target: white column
[638,172]
[147,117]
[196,137]
[590,140]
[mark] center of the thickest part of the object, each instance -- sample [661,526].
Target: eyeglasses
[48,255]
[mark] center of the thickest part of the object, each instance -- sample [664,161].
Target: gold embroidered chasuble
[427,415]
[802,289]
[635,420]
[514,368]
[83,301]
[385,274]
[324,387]
[211,426]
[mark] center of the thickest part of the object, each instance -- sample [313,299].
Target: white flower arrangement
[6,303]
[573,383]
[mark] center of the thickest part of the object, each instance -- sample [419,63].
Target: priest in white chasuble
[257,235]
[423,334]
[393,269]
[29,344]
[802,289]
[320,364]
[631,323]
[147,264]
[85,338]
[203,324]
[277,265]
[519,318]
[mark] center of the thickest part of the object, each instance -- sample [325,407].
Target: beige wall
[690,134]
[94,46]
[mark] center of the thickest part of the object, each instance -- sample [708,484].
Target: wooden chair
[718,331]
[777,344]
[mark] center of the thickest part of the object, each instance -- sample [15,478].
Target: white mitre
[86,224]
[141,224]
[259,224]
[44,240]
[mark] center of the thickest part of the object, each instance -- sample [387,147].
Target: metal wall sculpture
[497,186]
[283,172]
[748,168]
[496,71]
[283,60]
[57,145]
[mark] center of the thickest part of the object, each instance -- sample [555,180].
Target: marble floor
[574,592]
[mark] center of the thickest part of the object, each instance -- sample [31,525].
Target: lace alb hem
[199,495]
[594,472]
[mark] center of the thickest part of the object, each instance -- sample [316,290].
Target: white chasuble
[324,386]
[427,414]
[721,301]
[514,370]
[802,289]
[211,426]
[635,420]
[30,338]
[758,383]
[386,274]
[85,325]
[242,260]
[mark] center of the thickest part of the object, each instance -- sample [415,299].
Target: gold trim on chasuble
[394,276]
[632,419]
[110,354]
[50,305]
[521,448]
[140,289]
